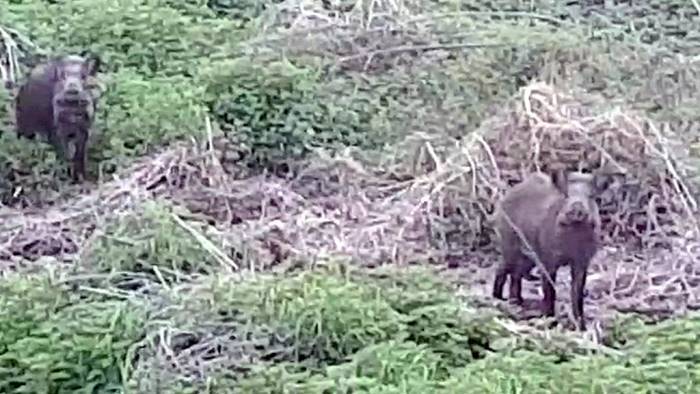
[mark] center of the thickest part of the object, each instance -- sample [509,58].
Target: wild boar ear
[600,182]
[51,69]
[560,179]
[55,69]
[92,63]
[603,181]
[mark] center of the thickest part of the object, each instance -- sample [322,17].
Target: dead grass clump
[35,240]
[550,129]
[333,206]
[346,32]
[193,344]
[648,205]
[151,239]
[61,228]
[456,185]
[16,51]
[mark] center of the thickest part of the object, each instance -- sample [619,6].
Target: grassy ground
[279,200]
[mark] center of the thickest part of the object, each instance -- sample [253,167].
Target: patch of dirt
[657,285]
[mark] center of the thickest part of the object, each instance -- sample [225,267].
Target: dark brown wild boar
[559,219]
[57,103]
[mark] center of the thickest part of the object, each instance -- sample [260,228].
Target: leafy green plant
[397,363]
[138,115]
[327,317]
[353,324]
[147,36]
[151,242]
[404,367]
[282,111]
[239,11]
[29,169]
[53,341]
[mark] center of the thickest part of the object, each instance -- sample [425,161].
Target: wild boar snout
[576,211]
[72,87]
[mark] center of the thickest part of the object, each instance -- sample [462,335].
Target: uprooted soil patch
[436,210]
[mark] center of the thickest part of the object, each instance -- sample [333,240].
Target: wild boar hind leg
[516,266]
[499,281]
[519,271]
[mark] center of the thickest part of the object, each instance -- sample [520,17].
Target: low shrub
[149,241]
[240,12]
[53,341]
[147,36]
[358,327]
[30,170]
[138,115]
[326,318]
[282,111]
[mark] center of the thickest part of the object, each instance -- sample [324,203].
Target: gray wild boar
[559,218]
[56,102]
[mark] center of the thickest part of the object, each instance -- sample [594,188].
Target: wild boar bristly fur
[559,220]
[56,102]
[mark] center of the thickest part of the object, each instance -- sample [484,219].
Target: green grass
[396,331]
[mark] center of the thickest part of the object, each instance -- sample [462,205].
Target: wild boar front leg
[79,157]
[529,276]
[578,284]
[550,293]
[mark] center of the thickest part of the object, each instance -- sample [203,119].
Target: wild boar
[56,102]
[559,220]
